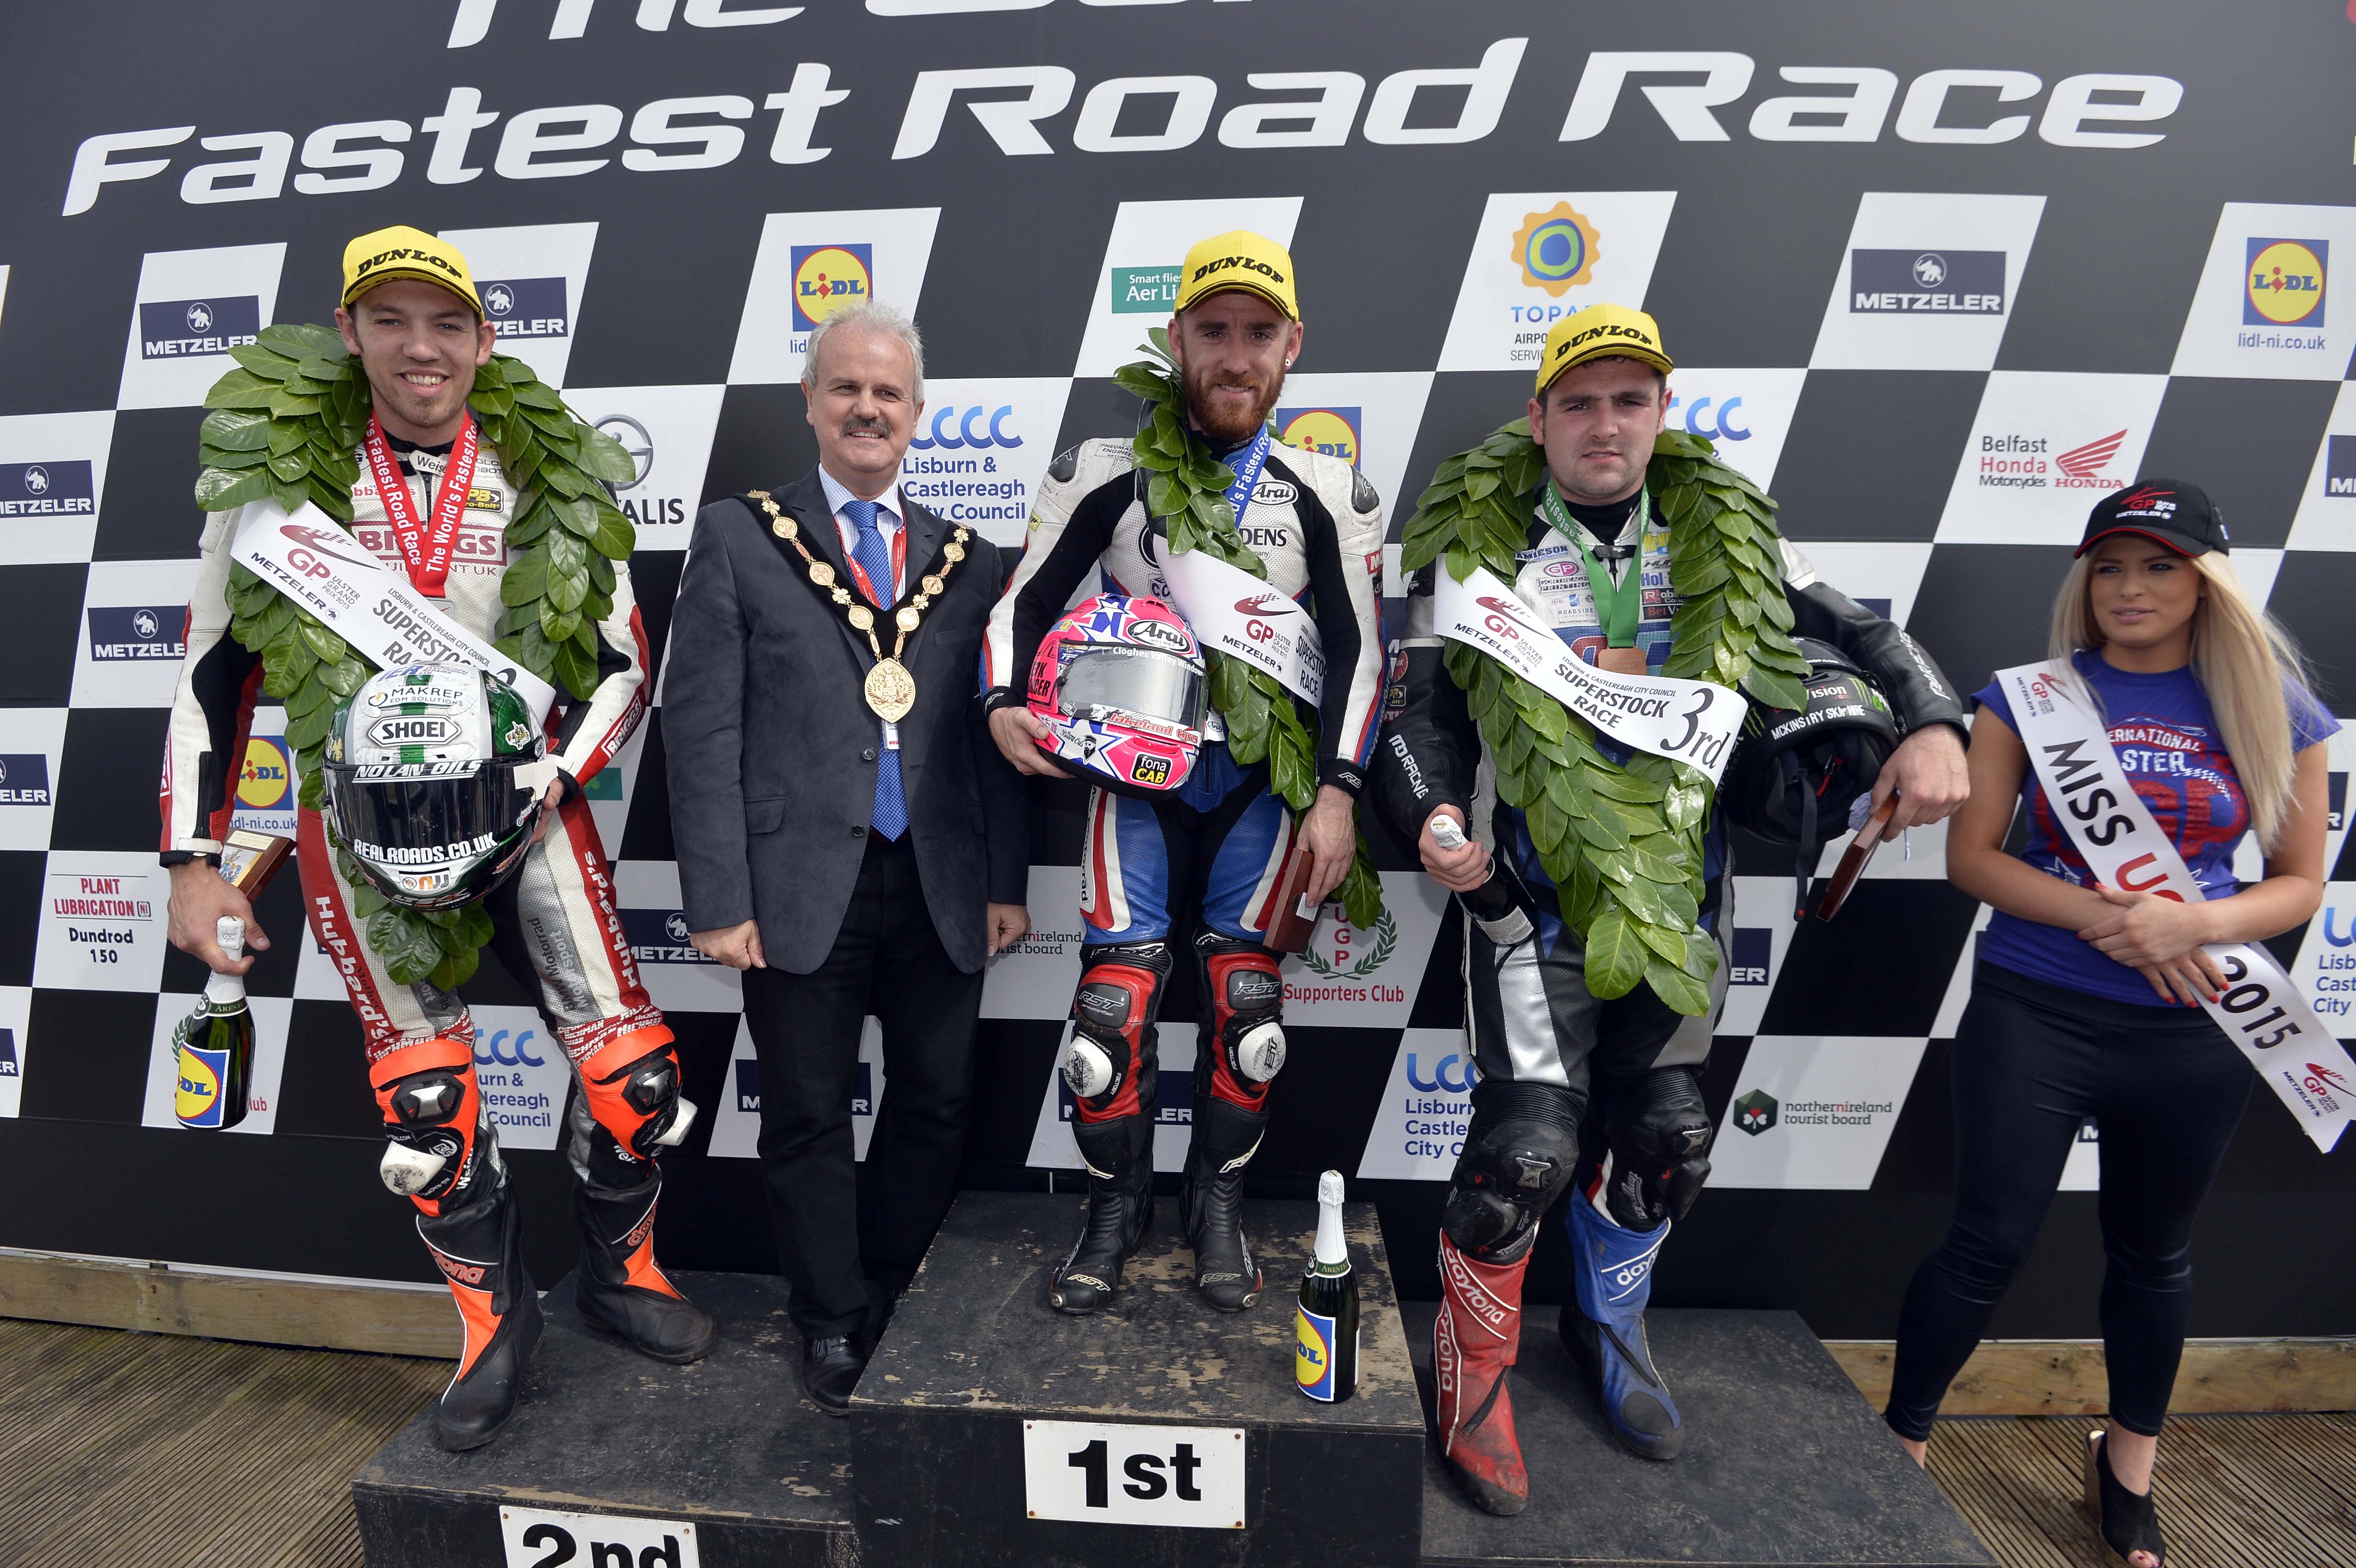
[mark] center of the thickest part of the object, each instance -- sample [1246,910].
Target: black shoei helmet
[1795,775]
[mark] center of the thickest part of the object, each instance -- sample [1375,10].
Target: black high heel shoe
[2126,1522]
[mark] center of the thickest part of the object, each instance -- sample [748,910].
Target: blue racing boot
[1606,1334]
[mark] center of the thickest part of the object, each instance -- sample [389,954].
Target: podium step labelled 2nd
[989,1430]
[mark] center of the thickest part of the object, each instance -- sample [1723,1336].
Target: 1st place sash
[2260,1010]
[1689,722]
[326,571]
[1232,611]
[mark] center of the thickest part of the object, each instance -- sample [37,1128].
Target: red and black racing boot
[623,1291]
[1118,1154]
[1475,1343]
[480,1253]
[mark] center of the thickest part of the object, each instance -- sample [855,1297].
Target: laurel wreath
[1622,842]
[1385,943]
[285,426]
[1188,492]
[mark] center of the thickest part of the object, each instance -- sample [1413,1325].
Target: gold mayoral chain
[891,689]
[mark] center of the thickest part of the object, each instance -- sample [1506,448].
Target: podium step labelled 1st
[989,1430]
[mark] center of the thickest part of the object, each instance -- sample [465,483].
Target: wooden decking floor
[122,1450]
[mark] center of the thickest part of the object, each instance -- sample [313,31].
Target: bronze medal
[891,690]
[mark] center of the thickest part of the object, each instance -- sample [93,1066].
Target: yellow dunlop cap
[1600,332]
[1239,260]
[401,251]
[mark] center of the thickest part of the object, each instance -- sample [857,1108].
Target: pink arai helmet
[1122,687]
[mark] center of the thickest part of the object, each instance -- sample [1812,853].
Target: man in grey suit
[847,834]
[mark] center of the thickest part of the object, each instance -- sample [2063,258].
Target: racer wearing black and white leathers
[556,928]
[1222,846]
[1574,1090]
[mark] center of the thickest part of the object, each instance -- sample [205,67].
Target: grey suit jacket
[773,750]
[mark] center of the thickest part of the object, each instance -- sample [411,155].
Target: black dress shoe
[830,1369]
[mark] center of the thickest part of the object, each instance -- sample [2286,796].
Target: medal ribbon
[426,549]
[1618,606]
[1247,464]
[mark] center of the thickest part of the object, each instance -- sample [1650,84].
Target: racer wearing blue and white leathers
[1214,853]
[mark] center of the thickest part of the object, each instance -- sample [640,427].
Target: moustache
[855,425]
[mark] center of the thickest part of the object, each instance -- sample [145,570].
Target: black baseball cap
[2166,511]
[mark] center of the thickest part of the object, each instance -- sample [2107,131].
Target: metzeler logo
[47,489]
[130,632]
[1754,947]
[173,329]
[2284,283]
[527,307]
[1945,283]
[659,936]
[23,779]
[829,278]
[2339,466]
[1334,432]
[1556,249]
[7,1053]
[1755,1113]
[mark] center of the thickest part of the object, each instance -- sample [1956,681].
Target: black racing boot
[1226,1137]
[622,1290]
[479,1251]
[1119,1153]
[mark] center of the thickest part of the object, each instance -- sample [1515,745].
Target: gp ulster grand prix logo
[829,278]
[1556,249]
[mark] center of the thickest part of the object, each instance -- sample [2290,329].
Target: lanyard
[881,595]
[1247,464]
[1617,604]
[425,548]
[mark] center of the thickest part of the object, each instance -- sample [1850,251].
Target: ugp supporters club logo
[2282,284]
[1334,432]
[829,278]
[1556,249]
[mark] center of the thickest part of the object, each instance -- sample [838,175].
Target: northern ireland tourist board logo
[2282,282]
[829,278]
[1815,1111]
[1556,249]
[1941,283]
[120,633]
[23,779]
[48,489]
[526,307]
[1755,1113]
[1143,291]
[177,329]
[1334,432]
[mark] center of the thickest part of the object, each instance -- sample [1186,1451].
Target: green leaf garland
[1624,843]
[1188,491]
[285,426]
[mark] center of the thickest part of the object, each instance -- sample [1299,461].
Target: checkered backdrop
[1943,278]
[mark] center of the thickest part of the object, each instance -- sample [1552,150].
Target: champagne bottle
[215,1044]
[1325,1323]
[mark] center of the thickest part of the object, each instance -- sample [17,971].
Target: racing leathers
[555,928]
[1601,1099]
[1212,855]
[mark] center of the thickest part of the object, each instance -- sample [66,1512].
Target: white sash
[326,571]
[2262,1012]
[1234,612]
[1689,722]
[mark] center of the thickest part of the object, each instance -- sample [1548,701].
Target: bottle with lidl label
[1325,1323]
[214,1045]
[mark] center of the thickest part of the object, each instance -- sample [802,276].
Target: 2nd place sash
[2262,1010]
[1689,722]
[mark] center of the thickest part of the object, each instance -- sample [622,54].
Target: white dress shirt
[887,521]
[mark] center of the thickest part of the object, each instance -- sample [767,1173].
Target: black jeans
[2032,1060]
[887,960]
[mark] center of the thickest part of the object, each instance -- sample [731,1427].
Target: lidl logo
[2284,282]
[265,779]
[1334,432]
[195,1099]
[1144,291]
[1556,249]
[829,278]
[1755,1113]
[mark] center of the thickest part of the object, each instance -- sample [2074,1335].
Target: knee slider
[1245,989]
[1505,1180]
[1659,1134]
[1120,994]
[633,1092]
[426,1092]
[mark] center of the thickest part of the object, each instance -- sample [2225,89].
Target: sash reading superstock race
[2260,1011]
[1689,722]
[326,571]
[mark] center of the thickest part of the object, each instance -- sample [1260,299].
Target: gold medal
[861,618]
[953,551]
[821,573]
[785,527]
[891,690]
[932,585]
[906,620]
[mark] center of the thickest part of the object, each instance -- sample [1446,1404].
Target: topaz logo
[177,329]
[47,489]
[829,278]
[129,633]
[1755,1113]
[1945,283]
[23,779]
[978,427]
[632,437]
[2284,283]
[527,307]
[1556,249]
[2340,466]
[1332,432]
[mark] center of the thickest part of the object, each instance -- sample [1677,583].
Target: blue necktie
[874,554]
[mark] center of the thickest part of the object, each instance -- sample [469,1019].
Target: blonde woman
[2085,1000]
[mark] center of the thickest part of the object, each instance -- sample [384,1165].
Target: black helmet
[1795,775]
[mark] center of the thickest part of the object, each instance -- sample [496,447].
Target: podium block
[990,1429]
[1785,1464]
[726,1449]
